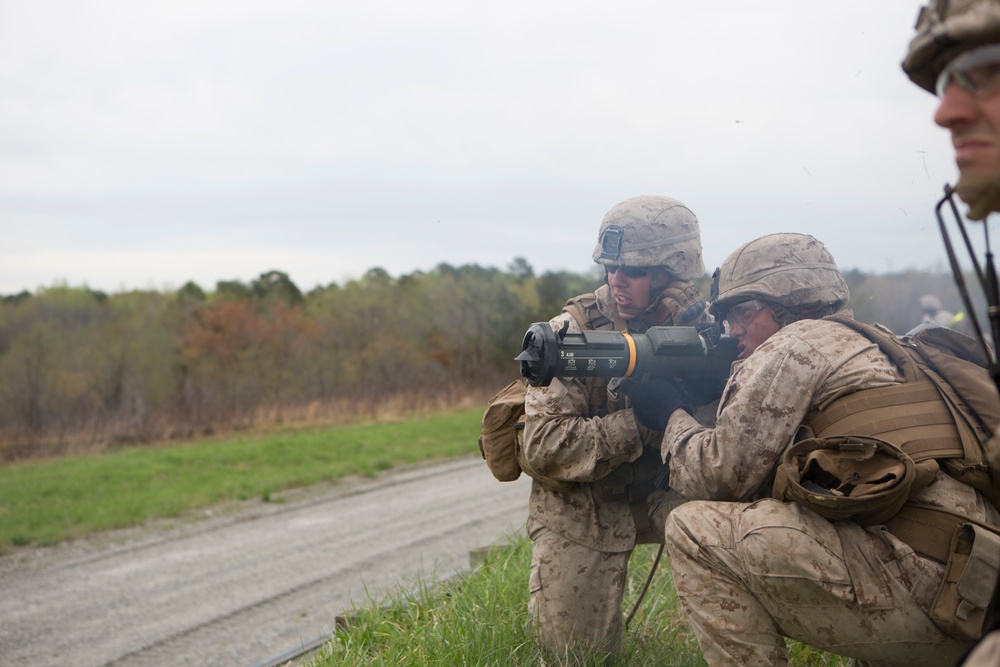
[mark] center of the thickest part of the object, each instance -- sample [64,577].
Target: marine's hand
[654,400]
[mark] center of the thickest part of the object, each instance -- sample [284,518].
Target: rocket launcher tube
[699,357]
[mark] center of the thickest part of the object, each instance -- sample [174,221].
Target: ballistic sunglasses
[976,71]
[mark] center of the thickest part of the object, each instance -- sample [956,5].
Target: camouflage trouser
[576,592]
[748,575]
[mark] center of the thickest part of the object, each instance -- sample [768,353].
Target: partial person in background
[955,54]
[599,486]
[931,311]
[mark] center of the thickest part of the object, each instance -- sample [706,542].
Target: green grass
[45,502]
[482,619]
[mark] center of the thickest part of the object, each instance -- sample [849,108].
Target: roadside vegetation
[481,618]
[83,371]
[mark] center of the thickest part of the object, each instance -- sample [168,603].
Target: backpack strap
[888,342]
[584,310]
[588,316]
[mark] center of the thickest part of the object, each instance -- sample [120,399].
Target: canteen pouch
[960,606]
[503,418]
[501,435]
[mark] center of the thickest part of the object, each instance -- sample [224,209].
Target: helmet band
[777,269]
[628,247]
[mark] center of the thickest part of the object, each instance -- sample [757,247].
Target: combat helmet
[945,28]
[792,270]
[649,231]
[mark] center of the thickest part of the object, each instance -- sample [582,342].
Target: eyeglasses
[630,271]
[741,314]
[976,71]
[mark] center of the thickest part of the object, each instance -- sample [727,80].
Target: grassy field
[45,502]
[482,619]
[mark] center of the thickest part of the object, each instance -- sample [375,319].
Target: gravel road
[248,581]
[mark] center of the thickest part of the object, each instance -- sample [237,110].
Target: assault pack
[503,419]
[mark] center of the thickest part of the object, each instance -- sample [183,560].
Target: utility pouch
[501,435]
[503,418]
[849,478]
[959,608]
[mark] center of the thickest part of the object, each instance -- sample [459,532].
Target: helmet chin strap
[653,314]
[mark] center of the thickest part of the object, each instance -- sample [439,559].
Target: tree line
[82,369]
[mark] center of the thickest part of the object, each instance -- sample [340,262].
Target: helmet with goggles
[792,270]
[945,29]
[976,71]
[649,231]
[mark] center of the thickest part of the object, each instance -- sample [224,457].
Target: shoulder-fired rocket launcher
[700,357]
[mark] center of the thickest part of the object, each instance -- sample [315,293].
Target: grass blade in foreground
[482,619]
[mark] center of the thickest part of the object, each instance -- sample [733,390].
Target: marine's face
[750,323]
[969,89]
[630,288]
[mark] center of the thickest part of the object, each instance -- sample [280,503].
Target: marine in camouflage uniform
[751,570]
[598,486]
[955,53]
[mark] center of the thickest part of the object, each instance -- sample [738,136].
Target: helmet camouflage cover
[945,28]
[791,270]
[651,231]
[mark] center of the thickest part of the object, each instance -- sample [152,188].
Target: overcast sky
[145,144]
